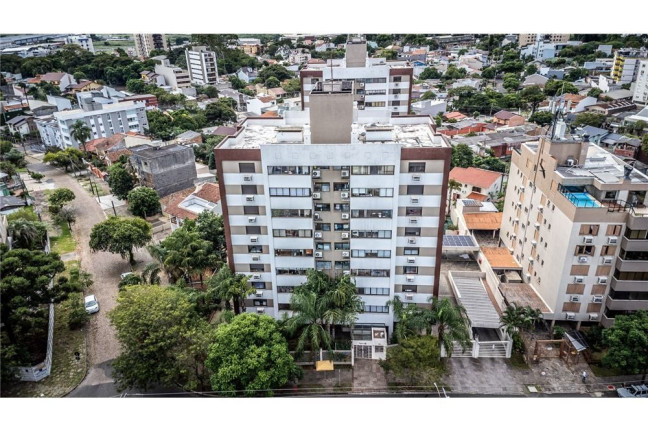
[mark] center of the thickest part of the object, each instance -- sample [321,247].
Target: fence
[484,349]
[342,357]
[41,370]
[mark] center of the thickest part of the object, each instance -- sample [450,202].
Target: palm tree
[309,310]
[410,319]
[151,274]
[451,322]
[230,287]
[26,234]
[517,318]
[81,132]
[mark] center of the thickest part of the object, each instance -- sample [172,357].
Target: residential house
[260,104]
[60,102]
[277,92]
[454,115]
[152,78]
[535,80]
[189,138]
[552,73]
[618,95]
[540,51]
[467,82]
[39,108]
[189,204]
[476,183]
[166,169]
[507,118]
[250,46]
[429,107]
[21,124]
[247,74]
[60,79]
[610,108]
[83,86]
[150,100]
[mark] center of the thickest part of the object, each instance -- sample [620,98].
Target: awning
[577,339]
[324,365]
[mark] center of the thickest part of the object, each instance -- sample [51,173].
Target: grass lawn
[65,242]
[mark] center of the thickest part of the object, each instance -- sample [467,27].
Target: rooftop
[500,258]
[152,152]
[522,294]
[77,113]
[475,176]
[483,221]
[472,295]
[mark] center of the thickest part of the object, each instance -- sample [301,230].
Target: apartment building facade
[575,217]
[531,38]
[84,41]
[120,117]
[625,69]
[201,65]
[145,43]
[641,88]
[175,77]
[340,190]
[378,84]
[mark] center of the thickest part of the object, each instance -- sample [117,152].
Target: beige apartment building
[575,217]
[530,38]
[145,43]
[340,190]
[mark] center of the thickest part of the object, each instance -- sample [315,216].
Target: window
[341,246]
[608,250]
[356,253]
[416,167]
[340,187]
[321,207]
[292,271]
[397,79]
[258,285]
[410,270]
[589,229]
[375,92]
[254,210]
[342,265]
[291,213]
[372,192]
[413,211]
[252,230]
[292,233]
[370,273]
[289,170]
[257,268]
[294,252]
[636,234]
[410,288]
[376,309]
[373,169]
[248,189]
[245,167]
[375,80]
[323,265]
[285,289]
[373,291]
[372,234]
[371,213]
[284,306]
[320,226]
[322,187]
[411,251]
[260,302]
[255,249]
[341,227]
[412,231]
[584,250]
[614,230]
[414,189]
[292,192]
[342,207]
[323,246]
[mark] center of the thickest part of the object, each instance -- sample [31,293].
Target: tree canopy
[143,201]
[627,341]
[120,235]
[120,181]
[416,360]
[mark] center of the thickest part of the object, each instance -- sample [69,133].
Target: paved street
[105,268]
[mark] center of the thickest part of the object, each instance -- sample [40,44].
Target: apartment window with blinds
[411,251]
[341,226]
[371,213]
[342,246]
[370,273]
[373,291]
[589,229]
[245,167]
[320,226]
[376,309]
[372,192]
[359,253]
[323,265]
[291,192]
[323,246]
[292,233]
[373,170]
[416,167]
[322,187]
[288,170]
[340,187]
[412,231]
[342,265]
[291,213]
[342,207]
[372,234]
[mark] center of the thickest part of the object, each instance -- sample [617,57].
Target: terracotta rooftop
[80,85]
[277,91]
[573,97]
[270,114]
[114,156]
[454,115]
[171,202]
[209,192]
[53,76]
[104,143]
[500,258]
[483,221]
[477,196]
[505,115]
[266,99]
[523,294]
[475,176]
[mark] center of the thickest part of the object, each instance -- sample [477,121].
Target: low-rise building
[476,183]
[247,74]
[149,100]
[60,79]
[507,118]
[166,169]
[83,86]
[192,202]
[21,124]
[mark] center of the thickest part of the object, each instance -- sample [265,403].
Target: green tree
[292,86]
[627,342]
[511,82]
[277,71]
[594,92]
[237,83]
[416,360]
[309,310]
[490,163]
[143,202]
[272,82]
[428,95]
[60,197]
[516,318]
[488,73]
[81,133]
[120,235]
[558,87]
[70,157]
[231,288]
[462,156]
[136,85]
[533,95]
[210,227]
[163,340]
[15,158]
[430,73]
[120,181]
[250,354]
[210,91]
[453,185]
[36,176]
[219,112]
[5,147]
[451,322]
[541,118]
[409,317]
[26,234]
[531,69]
[589,118]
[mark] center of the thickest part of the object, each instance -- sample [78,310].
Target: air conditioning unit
[256,277]
[593,316]
[344,173]
[411,240]
[540,208]
[247,178]
[519,204]
[607,260]
[582,259]
[416,177]
[521,188]
[346,272]
[318,234]
[256,258]
[344,195]
[316,216]
[537,225]
[411,260]
[602,279]
[254,239]
[413,221]
[574,299]
[345,254]
[578,279]
[318,254]
[259,293]
[570,316]
[260,310]
[516,220]
[531,260]
[409,297]
[316,174]
[597,299]
[249,198]
[410,278]
[533,242]
[345,235]
[317,195]
[345,215]
[252,219]
[414,200]
[613,240]
[588,239]
[570,162]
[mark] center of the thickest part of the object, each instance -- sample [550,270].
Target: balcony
[628,285]
[626,305]
[634,245]
[631,265]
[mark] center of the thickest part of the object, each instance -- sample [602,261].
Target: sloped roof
[483,221]
[454,115]
[475,176]
[209,192]
[477,196]
[500,258]
[505,115]
[53,76]
[114,156]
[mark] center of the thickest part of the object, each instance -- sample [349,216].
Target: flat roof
[500,258]
[483,221]
[523,294]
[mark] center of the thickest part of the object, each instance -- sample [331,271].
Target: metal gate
[363,351]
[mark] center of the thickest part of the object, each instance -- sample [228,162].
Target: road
[102,344]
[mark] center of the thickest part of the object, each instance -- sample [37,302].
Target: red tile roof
[483,221]
[266,99]
[270,114]
[53,76]
[454,115]
[477,196]
[209,192]
[505,115]
[474,176]
[114,156]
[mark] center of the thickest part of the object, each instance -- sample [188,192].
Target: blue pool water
[582,199]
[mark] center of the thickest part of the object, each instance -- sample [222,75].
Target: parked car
[633,391]
[123,275]
[91,304]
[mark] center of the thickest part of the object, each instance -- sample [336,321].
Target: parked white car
[633,391]
[91,304]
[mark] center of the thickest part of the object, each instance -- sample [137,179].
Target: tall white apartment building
[575,217]
[531,38]
[641,88]
[202,67]
[341,190]
[114,118]
[378,84]
[175,77]
[84,41]
[145,43]
[625,68]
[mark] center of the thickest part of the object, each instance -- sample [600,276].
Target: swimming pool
[582,199]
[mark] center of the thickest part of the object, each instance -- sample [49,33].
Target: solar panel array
[458,240]
[471,203]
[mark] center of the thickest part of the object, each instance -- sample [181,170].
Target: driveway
[103,346]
